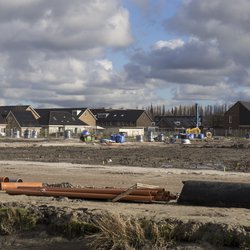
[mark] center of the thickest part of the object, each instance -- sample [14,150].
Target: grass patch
[71,227]
[75,228]
[121,233]
[215,234]
[13,220]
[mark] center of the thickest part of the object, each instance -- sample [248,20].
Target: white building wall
[132,131]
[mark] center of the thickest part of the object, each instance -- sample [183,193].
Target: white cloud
[54,51]
[170,44]
[106,64]
[213,62]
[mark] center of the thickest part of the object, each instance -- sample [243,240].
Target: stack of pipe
[138,192]
[141,195]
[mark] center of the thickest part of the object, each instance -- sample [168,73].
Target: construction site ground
[123,165]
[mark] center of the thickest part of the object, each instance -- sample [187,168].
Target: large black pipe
[216,194]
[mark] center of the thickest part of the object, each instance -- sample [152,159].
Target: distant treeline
[212,115]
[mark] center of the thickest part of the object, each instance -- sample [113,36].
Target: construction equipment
[193,131]
[215,194]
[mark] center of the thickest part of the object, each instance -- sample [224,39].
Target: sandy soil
[117,176]
[110,174]
[123,165]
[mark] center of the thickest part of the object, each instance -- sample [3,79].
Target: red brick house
[238,117]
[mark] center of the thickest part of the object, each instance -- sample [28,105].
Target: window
[177,123]
[230,119]
[76,112]
[102,115]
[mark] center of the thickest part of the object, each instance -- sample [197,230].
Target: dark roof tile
[25,118]
[246,105]
[178,121]
[59,118]
[4,110]
[122,115]
[2,120]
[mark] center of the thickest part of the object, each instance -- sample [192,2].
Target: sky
[124,53]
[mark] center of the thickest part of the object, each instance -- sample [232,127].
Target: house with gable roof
[237,117]
[58,121]
[4,110]
[176,122]
[19,119]
[130,121]
[83,114]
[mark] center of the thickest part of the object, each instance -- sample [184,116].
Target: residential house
[54,122]
[4,110]
[238,117]
[19,119]
[83,114]
[130,121]
[176,123]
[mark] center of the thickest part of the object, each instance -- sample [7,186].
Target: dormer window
[76,112]
[102,115]
[177,123]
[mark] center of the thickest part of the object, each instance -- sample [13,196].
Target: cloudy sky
[124,53]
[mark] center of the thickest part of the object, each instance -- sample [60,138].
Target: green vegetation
[114,231]
[118,232]
[13,220]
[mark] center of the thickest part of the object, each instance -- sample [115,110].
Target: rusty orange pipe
[103,191]
[11,185]
[158,196]
[43,192]
[142,192]
[4,179]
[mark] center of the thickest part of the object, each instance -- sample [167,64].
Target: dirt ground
[123,165]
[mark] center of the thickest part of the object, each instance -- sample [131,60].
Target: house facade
[83,114]
[237,117]
[2,126]
[177,123]
[130,121]
[19,119]
[53,122]
[21,122]
[122,118]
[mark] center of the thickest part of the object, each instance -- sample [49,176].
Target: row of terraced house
[54,121]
